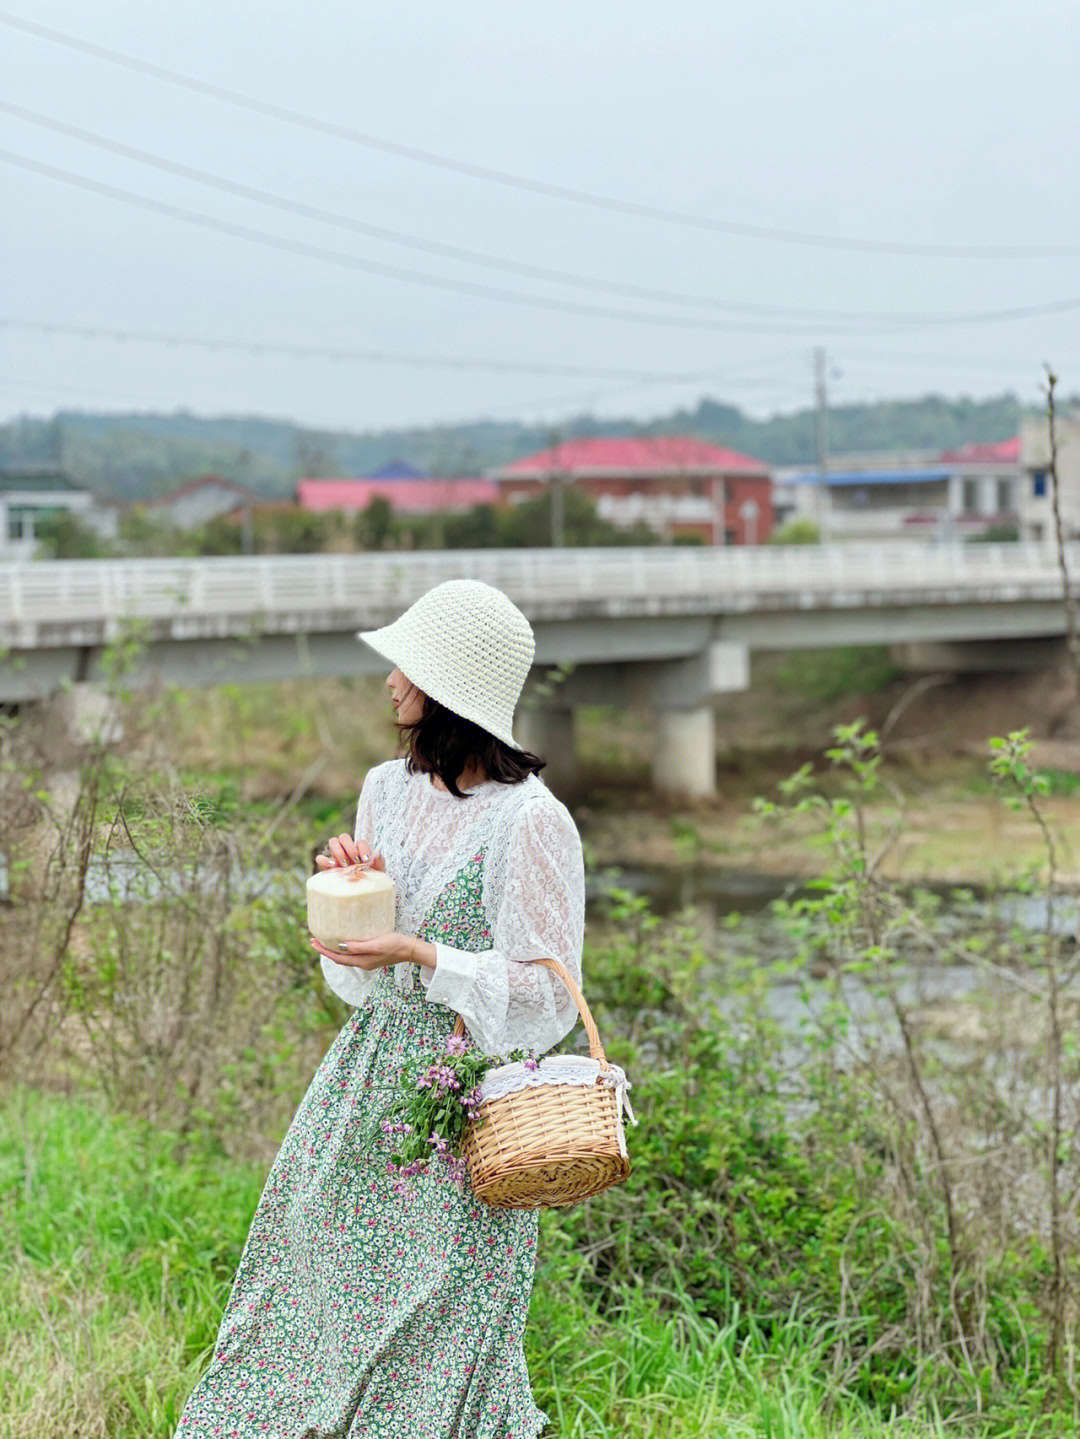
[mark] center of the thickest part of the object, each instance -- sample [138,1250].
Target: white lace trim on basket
[557,1069]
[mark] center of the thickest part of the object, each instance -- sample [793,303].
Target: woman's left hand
[383,950]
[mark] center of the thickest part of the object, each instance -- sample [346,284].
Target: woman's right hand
[346,852]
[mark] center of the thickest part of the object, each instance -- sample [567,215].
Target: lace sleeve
[539,912]
[348,982]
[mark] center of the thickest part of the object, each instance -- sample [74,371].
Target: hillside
[140,456]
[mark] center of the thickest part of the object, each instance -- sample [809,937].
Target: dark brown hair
[442,743]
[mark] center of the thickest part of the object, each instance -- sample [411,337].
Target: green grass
[117,1252]
[119,1245]
[646,1374]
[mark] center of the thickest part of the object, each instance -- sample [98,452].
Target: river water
[733,913]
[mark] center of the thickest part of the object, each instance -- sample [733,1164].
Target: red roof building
[1005,452]
[415,497]
[677,485]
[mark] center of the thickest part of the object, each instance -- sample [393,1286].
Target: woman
[358,1310]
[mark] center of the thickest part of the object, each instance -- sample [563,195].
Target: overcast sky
[836,159]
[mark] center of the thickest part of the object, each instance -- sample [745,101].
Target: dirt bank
[950,825]
[800,697]
[949,837]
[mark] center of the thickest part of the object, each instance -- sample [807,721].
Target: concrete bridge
[674,627]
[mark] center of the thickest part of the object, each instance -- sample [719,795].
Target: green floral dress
[357,1310]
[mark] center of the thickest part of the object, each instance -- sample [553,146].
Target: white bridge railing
[44,596]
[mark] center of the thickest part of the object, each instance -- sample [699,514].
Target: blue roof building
[397,470]
[958,494]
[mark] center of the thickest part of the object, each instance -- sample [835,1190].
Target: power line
[980,361]
[354,262]
[397,237]
[345,354]
[630,379]
[375,267]
[735,378]
[311,212]
[523,182]
[492,292]
[561,401]
[21,383]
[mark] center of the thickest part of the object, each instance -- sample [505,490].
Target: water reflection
[734,914]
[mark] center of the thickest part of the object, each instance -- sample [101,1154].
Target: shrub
[795,532]
[732,1201]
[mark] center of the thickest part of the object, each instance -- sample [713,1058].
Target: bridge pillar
[682,694]
[684,757]
[80,715]
[548,731]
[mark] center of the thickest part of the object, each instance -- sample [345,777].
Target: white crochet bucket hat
[468,647]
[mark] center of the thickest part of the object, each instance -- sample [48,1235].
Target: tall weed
[898,1171]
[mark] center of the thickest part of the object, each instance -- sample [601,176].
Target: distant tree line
[277,529]
[142,456]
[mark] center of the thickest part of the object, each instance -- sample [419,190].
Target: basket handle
[596,1049]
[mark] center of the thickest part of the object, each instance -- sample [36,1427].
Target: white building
[30,495]
[1036,507]
[957,494]
[198,501]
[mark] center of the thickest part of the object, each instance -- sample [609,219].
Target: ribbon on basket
[615,1078]
[558,1069]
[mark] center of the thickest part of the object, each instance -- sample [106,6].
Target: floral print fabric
[357,1311]
[455,914]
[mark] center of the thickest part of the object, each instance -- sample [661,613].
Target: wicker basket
[548,1143]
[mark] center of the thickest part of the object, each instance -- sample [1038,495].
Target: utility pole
[555,489]
[247,531]
[821,442]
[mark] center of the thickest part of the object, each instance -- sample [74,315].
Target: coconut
[345,904]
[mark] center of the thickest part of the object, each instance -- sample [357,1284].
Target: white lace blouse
[532,894]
